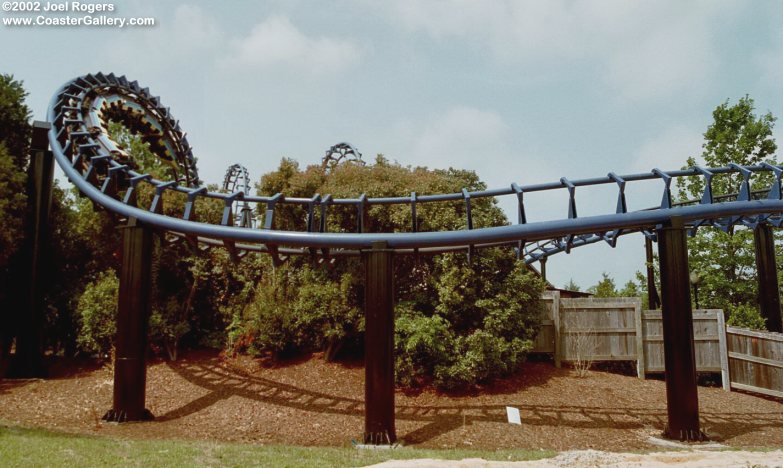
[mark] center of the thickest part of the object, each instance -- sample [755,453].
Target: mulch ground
[312,402]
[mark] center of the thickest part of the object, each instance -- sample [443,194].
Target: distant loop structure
[100,169]
[237,180]
[339,153]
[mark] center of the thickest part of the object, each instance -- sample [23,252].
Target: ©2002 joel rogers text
[32,13]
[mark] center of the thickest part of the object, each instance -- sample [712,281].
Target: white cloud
[479,140]
[668,150]
[674,57]
[770,63]
[190,35]
[461,137]
[643,50]
[277,42]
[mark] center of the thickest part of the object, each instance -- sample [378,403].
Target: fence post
[766,267]
[133,311]
[556,328]
[379,346]
[639,317]
[28,361]
[682,398]
[724,352]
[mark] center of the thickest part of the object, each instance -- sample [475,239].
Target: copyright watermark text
[67,14]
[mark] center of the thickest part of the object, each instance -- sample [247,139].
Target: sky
[519,91]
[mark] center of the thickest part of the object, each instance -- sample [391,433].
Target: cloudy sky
[519,91]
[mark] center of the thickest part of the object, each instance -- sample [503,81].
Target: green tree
[458,322]
[572,286]
[15,130]
[12,206]
[631,289]
[14,143]
[725,260]
[604,288]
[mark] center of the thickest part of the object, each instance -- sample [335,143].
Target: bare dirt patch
[312,402]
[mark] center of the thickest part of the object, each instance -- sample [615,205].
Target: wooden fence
[608,329]
[598,329]
[616,329]
[755,361]
[545,340]
[709,342]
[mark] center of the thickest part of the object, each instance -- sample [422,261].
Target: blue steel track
[80,110]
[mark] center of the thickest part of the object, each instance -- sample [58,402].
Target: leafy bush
[480,357]
[298,309]
[746,316]
[478,324]
[421,345]
[168,323]
[98,314]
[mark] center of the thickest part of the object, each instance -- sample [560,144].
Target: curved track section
[339,153]
[81,108]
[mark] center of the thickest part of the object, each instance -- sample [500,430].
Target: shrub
[298,309]
[421,344]
[746,316]
[481,357]
[478,324]
[98,314]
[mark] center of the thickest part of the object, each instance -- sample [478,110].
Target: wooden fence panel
[545,340]
[755,360]
[598,329]
[616,329]
[707,325]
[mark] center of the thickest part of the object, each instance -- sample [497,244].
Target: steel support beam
[767,270]
[379,346]
[133,311]
[682,400]
[28,361]
[653,300]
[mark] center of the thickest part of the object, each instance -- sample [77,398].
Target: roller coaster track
[80,111]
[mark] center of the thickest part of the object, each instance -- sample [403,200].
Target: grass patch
[38,447]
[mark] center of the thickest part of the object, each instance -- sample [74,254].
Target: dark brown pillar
[28,361]
[767,270]
[682,399]
[653,300]
[379,346]
[133,311]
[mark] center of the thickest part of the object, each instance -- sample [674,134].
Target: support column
[379,346]
[682,400]
[28,361]
[542,262]
[653,300]
[133,311]
[766,268]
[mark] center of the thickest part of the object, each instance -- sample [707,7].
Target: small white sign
[513,415]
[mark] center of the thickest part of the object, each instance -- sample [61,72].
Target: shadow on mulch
[224,381]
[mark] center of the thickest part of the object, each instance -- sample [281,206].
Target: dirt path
[594,458]
[310,402]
